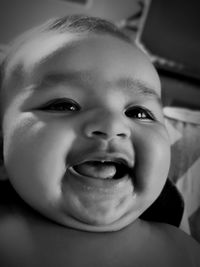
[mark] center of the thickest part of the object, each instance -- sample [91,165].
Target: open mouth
[102,169]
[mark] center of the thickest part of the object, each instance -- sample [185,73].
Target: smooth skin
[97,97]
[91,97]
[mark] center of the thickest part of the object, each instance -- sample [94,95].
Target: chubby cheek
[152,149]
[35,153]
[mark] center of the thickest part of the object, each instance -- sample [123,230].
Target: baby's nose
[107,127]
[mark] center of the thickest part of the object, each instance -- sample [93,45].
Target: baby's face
[84,137]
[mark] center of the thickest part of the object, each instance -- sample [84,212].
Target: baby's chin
[97,215]
[107,223]
[97,205]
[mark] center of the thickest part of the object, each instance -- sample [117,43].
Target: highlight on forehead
[52,35]
[41,48]
[74,24]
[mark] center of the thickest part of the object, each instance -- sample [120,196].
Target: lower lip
[105,186]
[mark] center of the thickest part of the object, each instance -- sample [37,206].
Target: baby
[86,146]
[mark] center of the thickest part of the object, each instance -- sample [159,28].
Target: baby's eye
[139,113]
[61,105]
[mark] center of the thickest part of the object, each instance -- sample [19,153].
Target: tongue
[97,169]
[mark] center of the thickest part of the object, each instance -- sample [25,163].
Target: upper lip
[109,157]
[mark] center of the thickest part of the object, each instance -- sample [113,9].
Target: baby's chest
[37,243]
[53,251]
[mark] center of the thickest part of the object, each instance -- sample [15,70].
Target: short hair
[74,24]
[87,24]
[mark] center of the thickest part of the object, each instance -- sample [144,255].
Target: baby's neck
[29,239]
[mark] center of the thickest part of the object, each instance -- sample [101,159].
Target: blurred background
[167,30]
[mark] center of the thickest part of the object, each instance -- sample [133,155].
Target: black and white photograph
[99,133]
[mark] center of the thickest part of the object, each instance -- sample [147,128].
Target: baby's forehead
[38,48]
[44,48]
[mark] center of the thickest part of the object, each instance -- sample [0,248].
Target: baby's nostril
[102,134]
[122,135]
[99,133]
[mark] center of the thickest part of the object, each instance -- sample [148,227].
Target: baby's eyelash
[139,113]
[61,105]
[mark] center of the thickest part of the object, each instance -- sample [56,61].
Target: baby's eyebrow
[86,79]
[138,86]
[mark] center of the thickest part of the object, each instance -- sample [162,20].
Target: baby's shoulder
[176,243]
